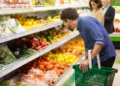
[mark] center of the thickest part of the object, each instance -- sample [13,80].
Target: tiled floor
[116,65]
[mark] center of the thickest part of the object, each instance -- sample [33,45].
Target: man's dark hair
[97,2]
[69,13]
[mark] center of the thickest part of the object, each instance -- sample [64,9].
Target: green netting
[95,76]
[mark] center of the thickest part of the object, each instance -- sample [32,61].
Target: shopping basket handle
[90,61]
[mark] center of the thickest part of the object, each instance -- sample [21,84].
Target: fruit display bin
[94,76]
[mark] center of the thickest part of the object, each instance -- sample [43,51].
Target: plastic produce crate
[94,76]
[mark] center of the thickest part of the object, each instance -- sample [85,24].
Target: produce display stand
[38,9]
[6,70]
[115,36]
[19,63]
[14,36]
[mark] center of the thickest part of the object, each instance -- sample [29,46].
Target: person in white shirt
[109,14]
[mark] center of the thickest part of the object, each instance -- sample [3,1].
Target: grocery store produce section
[35,48]
[45,69]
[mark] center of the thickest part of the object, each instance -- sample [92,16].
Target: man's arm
[110,18]
[96,50]
[86,55]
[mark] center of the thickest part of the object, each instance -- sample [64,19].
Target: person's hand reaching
[83,66]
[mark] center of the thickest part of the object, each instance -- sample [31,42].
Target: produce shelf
[17,35]
[26,10]
[65,77]
[20,63]
[114,35]
[58,7]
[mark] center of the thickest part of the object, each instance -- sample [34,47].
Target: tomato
[49,67]
[41,67]
[38,62]
[61,67]
[56,69]
[61,71]
[57,65]
[34,66]
[54,63]
[68,65]
[45,64]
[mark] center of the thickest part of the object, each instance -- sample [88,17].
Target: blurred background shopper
[97,12]
[109,14]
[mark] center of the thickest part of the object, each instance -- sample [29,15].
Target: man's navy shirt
[93,33]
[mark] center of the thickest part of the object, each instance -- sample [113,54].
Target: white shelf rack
[58,7]
[26,10]
[20,63]
[17,35]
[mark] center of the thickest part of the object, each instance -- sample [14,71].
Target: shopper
[109,14]
[97,12]
[94,35]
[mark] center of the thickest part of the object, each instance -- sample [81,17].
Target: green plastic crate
[94,76]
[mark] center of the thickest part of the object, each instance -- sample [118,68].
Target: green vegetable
[17,22]
[49,33]
[4,83]
[13,29]
[6,56]
[3,18]
[42,36]
[49,39]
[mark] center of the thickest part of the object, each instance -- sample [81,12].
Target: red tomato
[61,71]
[57,65]
[34,66]
[49,67]
[61,67]
[41,67]
[45,64]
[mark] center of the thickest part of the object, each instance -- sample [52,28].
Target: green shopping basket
[96,76]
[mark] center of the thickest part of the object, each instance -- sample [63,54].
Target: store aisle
[116,65]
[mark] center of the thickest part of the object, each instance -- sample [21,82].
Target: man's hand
[83,66]
[95,51]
